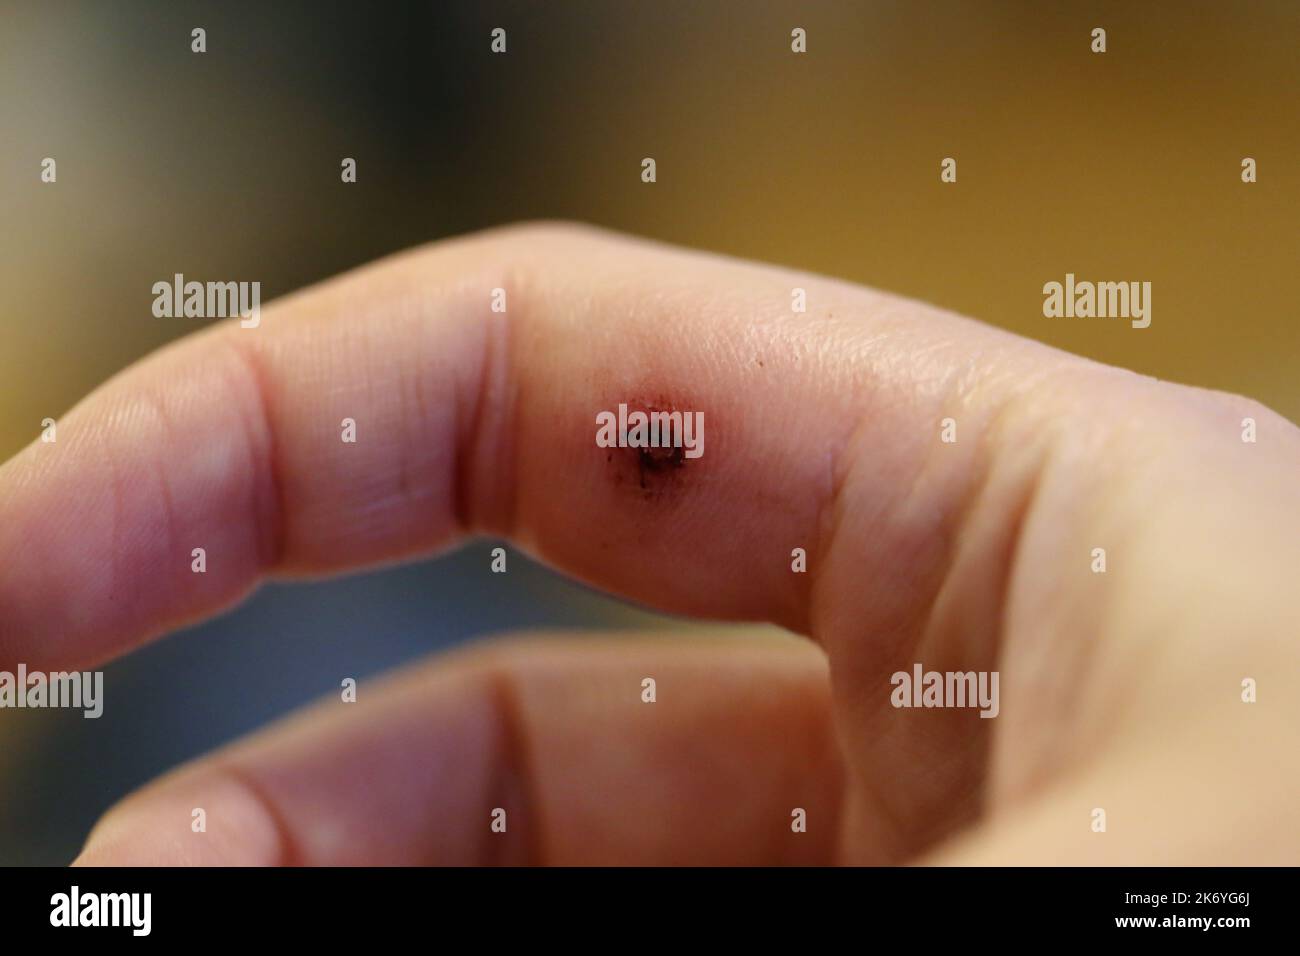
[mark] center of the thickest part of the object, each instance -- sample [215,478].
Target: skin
[1119,690]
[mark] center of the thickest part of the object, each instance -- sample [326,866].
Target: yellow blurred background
[1117,166]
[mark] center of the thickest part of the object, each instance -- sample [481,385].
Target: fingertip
[208,817]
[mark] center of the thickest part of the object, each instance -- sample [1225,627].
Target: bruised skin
[657,472]
[659,522]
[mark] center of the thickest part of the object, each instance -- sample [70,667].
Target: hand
[1120,690]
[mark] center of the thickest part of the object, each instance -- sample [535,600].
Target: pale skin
[1119,690]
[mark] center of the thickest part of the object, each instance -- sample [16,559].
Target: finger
[472,420]
[556,733]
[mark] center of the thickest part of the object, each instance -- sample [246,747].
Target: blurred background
[225,165]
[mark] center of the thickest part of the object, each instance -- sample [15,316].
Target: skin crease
[1118,690]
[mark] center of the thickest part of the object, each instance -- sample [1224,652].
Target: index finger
[468,419]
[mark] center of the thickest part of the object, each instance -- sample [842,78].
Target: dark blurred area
[226,164]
